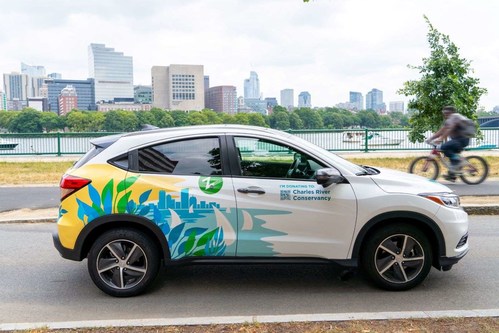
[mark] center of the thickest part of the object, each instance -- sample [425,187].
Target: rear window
[186,157]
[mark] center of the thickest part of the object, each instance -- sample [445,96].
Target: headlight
[444,199]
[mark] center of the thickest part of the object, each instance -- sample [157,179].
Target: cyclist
[452,129]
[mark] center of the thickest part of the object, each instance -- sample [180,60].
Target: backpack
[468,127]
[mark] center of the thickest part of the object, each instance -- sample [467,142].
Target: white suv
[248,194]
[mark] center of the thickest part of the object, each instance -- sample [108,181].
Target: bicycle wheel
[425,167]
[474,170]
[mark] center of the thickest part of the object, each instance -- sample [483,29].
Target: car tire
[123,262]
[397,257]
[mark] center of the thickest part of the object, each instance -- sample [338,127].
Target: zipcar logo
[210,185]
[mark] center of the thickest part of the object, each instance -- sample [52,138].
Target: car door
[190,195]
[282,209]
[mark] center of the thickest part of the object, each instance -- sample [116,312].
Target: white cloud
[326,47]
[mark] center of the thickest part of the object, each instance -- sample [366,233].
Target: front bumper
[446,263]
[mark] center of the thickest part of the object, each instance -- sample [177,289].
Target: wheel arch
[104,223]
[424,223]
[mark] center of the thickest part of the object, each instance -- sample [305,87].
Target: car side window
[185,157]
[262,158]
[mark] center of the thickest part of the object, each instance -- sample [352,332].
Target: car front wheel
[123,262]
[397,257]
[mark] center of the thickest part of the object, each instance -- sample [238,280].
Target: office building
[85,90]
[33,71]
[271,102]
[252,86]
[396,106]
[55,76]
[287,98]
[356,100]
[68,100]
[38,103]
[256,105]
[15,86]
[3,101]
[112,72]
[374,100]
[178,87]
[206,82]
[304,100]
[142,94]
[221,99]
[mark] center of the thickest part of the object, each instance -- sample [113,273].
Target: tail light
[70,184]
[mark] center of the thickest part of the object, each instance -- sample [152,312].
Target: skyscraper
[3,101]
[287,98]
[112,72]
[252,86]
[374,100]
[396,106]
[304,100]
[15,86]
[356,100]
[36,75]
[178,87]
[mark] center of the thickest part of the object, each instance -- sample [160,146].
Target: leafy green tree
[28,121]
[51,121]
[180,118]
[256,119]
[226,118]
[212,117]
[197,118]
[295,121]
[146,118]
[310,118]
[121,121]
[94,121]
[241,118]
[445,80]
[6,117]
[368,118]
[279,120]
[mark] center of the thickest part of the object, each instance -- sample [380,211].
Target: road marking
[251,319]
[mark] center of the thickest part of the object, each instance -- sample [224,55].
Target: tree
[180,118]
[445,81]
[6,117]
[121,121]
[51,121]
[256,119]
[28,121]
[310,118]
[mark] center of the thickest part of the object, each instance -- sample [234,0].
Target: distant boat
[5,145]
[373,139]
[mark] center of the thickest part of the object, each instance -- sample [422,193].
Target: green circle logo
[210,185]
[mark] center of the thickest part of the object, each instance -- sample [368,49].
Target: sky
[325,47]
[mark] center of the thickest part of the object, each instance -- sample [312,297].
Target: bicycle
[473,169]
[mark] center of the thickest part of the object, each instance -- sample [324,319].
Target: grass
[39,173]
[438,325]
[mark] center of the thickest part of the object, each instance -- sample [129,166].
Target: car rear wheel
[397,257]
[123,262]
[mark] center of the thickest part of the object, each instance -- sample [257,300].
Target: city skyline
[325,47]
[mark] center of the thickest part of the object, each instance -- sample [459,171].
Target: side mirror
[328,176]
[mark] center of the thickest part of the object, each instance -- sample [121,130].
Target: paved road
[12,198]
[39,286]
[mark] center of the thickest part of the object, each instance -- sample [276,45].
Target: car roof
[151,135]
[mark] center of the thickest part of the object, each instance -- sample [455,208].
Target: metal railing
[362,140]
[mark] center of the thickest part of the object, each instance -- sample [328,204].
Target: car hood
[392,181]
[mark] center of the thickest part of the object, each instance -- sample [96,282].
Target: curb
[186,321]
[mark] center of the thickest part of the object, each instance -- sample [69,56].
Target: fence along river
[362,140]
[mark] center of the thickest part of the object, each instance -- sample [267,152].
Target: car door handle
[255,190]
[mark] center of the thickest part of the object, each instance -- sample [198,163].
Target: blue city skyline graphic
[188,207]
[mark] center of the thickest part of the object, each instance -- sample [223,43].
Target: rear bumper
[65,252]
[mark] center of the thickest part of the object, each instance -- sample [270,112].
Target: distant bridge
[492,121]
